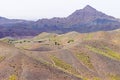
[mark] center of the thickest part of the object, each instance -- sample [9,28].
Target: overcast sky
[37,9]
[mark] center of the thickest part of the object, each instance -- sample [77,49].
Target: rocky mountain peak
[89,8]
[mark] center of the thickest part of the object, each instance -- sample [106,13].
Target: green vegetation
[7,40]
[96,78]
[70,41]
[2,58]
[63,65]
[13,77]
[67,67]
[22,41]
[56,43]
[85,59]
[43,61]
[105,52]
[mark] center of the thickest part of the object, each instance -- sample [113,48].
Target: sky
[38,9]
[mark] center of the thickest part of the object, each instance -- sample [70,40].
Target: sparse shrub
[7,40]
[20,42]
[85,59]
[70,41]
[28,41]
[39,41]
[56,43]
[2,58]
[24,41]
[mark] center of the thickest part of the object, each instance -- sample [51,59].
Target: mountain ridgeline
[84,20]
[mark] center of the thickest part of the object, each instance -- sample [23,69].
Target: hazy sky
[37,9]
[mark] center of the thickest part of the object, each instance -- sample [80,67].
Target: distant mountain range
[84,20]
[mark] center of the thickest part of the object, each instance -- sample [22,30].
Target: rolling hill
[69,56]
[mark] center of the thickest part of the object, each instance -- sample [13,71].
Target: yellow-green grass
[114,77]
[105,52]
[68,68]
[13,77]
[60,63]
[85,59]
[96,78]
[2,58]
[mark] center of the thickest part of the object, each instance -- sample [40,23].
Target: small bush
[70,41]
[56,43]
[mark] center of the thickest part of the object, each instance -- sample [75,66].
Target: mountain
[86,15]
[84,20]
[69,56]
